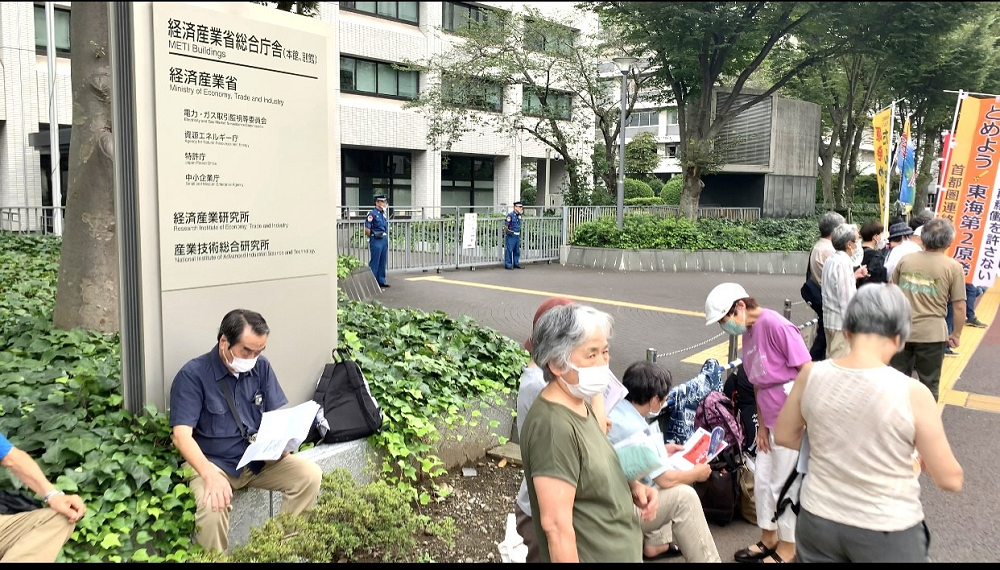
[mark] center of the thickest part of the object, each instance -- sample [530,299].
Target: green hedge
[643,231]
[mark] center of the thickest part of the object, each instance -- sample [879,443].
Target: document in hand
[614,393]
[696,450]
[280,431]
[638,454]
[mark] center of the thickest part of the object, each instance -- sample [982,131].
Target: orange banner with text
[969,198]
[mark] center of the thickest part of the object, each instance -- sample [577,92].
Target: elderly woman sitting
[580,498]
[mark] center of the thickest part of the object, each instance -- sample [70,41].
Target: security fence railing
[435,237]
[448,243]
[29,219]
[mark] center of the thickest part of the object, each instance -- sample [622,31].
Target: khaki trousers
[33,536]
[836,344]
[297,479]
[680,514]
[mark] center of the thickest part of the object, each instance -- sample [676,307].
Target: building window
[643,119]
[467,181]
[458,16]
[472,93]
[60,26]
[402,11]
[670,116]
[556,104]
[371,172]
[377,78]
[548,37]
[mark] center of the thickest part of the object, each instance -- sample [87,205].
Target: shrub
[637,189]
[350,523]
[671,191]
[655,184]
[529,194]
[653,201]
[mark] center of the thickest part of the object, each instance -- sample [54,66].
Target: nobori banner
[242,152]
[969,198]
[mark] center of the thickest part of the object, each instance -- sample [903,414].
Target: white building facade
[384,146]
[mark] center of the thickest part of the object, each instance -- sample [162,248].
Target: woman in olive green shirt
[585,510]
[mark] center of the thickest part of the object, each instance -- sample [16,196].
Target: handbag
[720,493]
[812,292]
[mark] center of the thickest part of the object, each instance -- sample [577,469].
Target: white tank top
[861,436]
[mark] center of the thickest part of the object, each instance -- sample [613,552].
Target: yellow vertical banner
[882,126]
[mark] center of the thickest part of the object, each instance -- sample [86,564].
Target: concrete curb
[675,260]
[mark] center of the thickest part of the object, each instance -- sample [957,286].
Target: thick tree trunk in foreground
[87,294]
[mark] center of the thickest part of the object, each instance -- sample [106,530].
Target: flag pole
[943,175]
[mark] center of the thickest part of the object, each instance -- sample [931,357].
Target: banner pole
[943,175]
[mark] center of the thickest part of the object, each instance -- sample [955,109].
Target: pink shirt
[773,351]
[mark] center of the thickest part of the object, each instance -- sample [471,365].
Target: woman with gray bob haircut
[584,508]
[861,499]
[882,311]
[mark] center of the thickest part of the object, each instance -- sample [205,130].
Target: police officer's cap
[518,203]
[380,197]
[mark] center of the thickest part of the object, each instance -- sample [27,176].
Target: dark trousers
[923,357]
[512,251]
[818,350]
[379,249]
[821,540]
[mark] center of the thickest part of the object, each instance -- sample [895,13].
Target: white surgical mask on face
[592,381]
[882,241]
[242,365]
[859,253]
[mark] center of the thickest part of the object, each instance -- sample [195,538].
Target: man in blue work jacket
[377,230]
[512,237]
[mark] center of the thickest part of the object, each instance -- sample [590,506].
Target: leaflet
[699,448]
[614,393]
[280,431]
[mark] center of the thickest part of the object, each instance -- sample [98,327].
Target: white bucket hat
[721,299]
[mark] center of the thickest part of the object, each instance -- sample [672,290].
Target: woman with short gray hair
[860,501]
[839,283]
[581,501]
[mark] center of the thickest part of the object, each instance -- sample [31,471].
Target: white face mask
[859,253]
[592,381]
[882,241]
[242,365]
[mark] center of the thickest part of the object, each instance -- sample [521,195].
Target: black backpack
[346,403]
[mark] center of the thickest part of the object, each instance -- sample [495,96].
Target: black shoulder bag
[811,291]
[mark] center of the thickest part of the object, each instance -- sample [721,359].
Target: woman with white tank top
[871,429]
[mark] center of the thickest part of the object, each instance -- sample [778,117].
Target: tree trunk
[826,152]
[87,294]
[691,194]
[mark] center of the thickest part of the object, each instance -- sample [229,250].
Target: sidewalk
[663,311]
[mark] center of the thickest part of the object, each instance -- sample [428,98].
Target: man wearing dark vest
[512,237]
[377,230]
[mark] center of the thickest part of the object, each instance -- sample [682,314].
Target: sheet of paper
[695,451]
[614,393]
[280,431]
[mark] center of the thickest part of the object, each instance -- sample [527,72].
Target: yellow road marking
[438,279]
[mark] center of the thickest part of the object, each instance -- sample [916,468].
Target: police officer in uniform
[377,230]
[512,237]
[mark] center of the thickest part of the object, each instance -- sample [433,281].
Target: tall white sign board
[246,159]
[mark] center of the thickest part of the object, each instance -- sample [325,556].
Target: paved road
[664,311]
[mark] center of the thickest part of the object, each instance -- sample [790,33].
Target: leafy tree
[640,155]
[696,47]
[541,59]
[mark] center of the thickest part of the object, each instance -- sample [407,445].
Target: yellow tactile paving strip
[951,369]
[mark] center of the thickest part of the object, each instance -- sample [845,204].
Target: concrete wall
[796,130]
[674,260]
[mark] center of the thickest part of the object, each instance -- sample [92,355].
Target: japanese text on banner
[970,199]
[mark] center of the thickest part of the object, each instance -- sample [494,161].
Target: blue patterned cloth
[683,400]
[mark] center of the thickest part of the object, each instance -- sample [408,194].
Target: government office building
[384,147]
